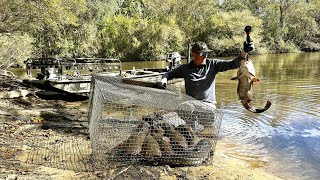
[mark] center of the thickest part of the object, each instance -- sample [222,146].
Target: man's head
[200,51]
[200,47]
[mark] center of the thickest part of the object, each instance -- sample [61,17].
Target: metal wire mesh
[135,124]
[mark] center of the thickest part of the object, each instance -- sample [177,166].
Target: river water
[284,139]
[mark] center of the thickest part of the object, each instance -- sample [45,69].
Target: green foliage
[14,49]
[193,18]
[58,21]
[16,16]
[119,36]
[165,37]
[232,5]
[304,29]
[135,38]
[289,26]
[130,7]
[225,31]
[149,29]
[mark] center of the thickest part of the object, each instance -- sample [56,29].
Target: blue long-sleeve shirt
[200,80]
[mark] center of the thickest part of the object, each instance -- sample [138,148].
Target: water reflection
[289,66]
[287,136]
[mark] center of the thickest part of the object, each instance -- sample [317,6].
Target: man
[199,75]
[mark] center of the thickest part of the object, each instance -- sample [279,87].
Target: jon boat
[73,75]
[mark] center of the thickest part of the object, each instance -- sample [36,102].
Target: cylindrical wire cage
[131,124]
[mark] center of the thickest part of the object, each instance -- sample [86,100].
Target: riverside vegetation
[146,30]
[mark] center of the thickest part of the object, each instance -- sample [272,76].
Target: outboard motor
[174,60]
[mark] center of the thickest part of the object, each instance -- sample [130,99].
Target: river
[285,139]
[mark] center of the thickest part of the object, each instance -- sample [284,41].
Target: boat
[72,75]
[173,59]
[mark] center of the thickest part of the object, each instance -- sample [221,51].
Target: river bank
[48,139]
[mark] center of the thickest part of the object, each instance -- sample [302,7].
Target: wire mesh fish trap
[131,124]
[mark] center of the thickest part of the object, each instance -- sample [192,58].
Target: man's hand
[163,83]
[247,47]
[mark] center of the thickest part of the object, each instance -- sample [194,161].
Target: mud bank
[48,139]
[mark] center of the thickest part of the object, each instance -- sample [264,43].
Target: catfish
[177,140]
[150,148]
[246,77]
[133,145]
[188,133]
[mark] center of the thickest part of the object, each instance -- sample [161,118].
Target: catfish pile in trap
[132,124]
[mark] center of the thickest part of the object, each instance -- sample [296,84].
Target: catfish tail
[250,108]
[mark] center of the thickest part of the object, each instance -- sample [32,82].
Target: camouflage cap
[200,47]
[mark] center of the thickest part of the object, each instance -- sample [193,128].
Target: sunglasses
[205,54]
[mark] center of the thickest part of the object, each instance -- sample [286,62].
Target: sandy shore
[48,139]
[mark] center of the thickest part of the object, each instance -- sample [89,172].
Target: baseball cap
[200,47]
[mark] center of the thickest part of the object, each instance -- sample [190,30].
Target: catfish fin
[254,79]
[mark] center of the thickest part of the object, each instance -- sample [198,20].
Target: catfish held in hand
[246,77]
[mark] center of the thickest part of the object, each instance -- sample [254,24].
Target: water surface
[286,138]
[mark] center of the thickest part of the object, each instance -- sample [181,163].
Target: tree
[56,25]
[225,31]
[16,19]
[147,30]
[16,16]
